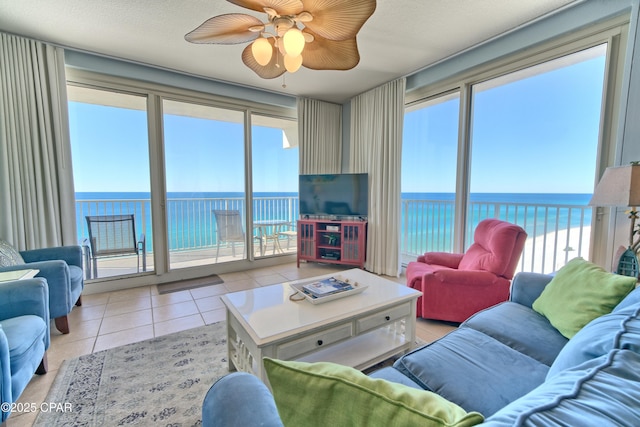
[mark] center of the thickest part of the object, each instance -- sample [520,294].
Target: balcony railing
[556,232]
[191,221]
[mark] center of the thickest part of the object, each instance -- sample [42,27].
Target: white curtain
[377,119]
[36,178]
[320,136]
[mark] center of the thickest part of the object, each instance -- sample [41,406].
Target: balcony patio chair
[229,230]
[455,286]
[114,235]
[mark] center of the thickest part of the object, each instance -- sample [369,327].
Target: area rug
[185,285]
[161,381]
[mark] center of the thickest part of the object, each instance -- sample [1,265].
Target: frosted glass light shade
[292,63]
[293,42]
[262,51]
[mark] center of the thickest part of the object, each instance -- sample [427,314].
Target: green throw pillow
[580,292]
[326,394]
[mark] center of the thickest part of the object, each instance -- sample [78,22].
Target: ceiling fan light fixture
[293,41]
[292,63]
[327,34]
[282,24]
[262,51]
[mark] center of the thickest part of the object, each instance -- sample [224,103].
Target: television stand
[332,241]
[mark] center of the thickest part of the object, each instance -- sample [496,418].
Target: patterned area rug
[161,381]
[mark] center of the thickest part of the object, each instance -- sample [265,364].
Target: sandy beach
[570,244]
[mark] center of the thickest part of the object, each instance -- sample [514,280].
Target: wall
[121,68]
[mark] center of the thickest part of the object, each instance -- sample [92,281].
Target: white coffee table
[358,330]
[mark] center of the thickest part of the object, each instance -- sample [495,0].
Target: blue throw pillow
[617,330]
[601,392]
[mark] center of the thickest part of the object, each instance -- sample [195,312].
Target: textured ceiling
[400,38]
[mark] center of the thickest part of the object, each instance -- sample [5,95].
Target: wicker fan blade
[283,7]
[324,54]
[269,71]
[231,28]
[338,19]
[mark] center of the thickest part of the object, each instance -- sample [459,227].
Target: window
[534,146]
[174,159]
[529,158]
[110,153]
[274,152]
[429,156]
[204,166]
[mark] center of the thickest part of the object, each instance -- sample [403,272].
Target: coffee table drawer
[292,349]
[383,316]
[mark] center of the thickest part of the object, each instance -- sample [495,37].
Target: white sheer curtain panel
[36,185]
[320,136]
[377,119]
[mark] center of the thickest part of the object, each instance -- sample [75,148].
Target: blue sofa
[24,337]
[507,362]
[62,268]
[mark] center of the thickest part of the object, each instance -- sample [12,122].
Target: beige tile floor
[117,318]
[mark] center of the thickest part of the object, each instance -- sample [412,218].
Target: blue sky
[201,155]
[537,134]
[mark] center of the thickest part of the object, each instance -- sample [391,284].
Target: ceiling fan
[316,34]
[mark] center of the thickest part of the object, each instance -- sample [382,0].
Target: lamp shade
[619,186]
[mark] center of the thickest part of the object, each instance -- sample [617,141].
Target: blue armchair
[61,266]
[24,336]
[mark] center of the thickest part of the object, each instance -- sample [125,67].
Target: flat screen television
[335,195]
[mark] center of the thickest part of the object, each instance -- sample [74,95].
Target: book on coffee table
[328,289]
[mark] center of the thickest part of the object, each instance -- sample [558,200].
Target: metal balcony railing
[556,232]
[191,222]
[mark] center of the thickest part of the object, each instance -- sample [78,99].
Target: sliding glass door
[110,151]
[274,154]
[204,181]
[204,154]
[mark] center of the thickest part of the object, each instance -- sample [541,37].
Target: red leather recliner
[455,286]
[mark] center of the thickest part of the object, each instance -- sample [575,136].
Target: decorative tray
[329,289]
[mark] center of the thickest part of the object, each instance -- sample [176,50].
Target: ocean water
[427,218]
[426,221]
[190,218]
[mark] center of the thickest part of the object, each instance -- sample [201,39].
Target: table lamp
[620,186]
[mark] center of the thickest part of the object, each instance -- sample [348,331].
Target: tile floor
[121,317]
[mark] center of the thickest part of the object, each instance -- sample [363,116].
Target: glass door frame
[155,94]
